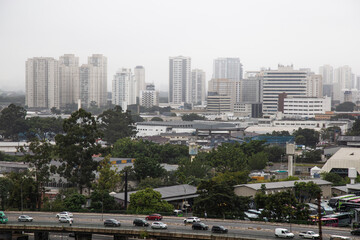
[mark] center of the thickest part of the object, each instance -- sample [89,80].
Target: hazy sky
[262,33]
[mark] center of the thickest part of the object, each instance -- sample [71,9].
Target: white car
[64,219]
[25,218]
[158,225]
[283,233]
[192,220]
[64,214]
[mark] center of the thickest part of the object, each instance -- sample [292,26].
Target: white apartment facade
[69,80]
[42,83]
[123,88]
[327,73]
[227,68]
[149,97]
[306,107]
[139,78]
[198,89]
[179,80]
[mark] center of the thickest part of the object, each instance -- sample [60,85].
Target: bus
[330,222]
[3,217]
[348,199]
[334,201]
[344,219]
[355,200]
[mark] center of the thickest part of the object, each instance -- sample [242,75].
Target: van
[178,213]
[283,233]
[3,217]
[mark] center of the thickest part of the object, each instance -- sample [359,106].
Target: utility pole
[126,189]
[319,215]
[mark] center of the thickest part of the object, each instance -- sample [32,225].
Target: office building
[299,83]
[227,68]
[198,83]
[343,81]
[249,90]
[123,88]
[149,97]
[219,103]
[69,82]
[305,107]
[139,78]
[327,73]
[179,80]
[42,83]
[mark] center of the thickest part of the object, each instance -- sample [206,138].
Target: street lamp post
[21,198]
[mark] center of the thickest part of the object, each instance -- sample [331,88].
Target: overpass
[85,233]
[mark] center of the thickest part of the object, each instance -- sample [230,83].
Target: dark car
[112,223]
[140,222]
[199,226]
[355,232]
[219,229]
[155,217]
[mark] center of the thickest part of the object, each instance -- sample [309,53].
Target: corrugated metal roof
[168,193]
[283,184]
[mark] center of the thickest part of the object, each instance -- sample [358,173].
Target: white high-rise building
[69,83]
[294,83]
[149,97]
[42,83]
[139,78]
[198,83]
[123,88]
[227,68]
[342,81]
[327,73]
[98,79]
[179,80]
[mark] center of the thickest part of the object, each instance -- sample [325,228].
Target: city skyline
[259,33]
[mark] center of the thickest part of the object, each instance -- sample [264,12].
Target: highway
[175,224]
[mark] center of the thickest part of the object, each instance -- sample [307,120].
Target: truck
[3,217]
[309,234]
[283,233]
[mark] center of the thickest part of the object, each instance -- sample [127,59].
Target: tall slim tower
[139,78]
[198,83]
[42,85]
[327,73]
[343,81]
[69,83]
[227,68]
[123,88]
[85,78]
[179,79]
[98,79]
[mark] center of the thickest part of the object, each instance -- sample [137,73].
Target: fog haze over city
[130,33]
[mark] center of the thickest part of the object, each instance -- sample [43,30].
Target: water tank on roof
[352,174]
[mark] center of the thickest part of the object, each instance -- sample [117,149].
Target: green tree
[192,117]
[116,124]
[217,198]
[74,202]
[355,130]
[148,200]
[306,136]
[330,133]
[306,191]
[258,161]
[157,119]
[99,198]
[198,168]
[310,156]
[5,187]
[335,178]
[346,107]
[147,167]
[76,147]
[228,157]
[54,110]
[109,179]
[12,122]
[44,128]
[39,156]
[274,152]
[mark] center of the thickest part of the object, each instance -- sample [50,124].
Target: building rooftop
[170,193]
[283,184]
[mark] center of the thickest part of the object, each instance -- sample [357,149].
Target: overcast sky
[262,33]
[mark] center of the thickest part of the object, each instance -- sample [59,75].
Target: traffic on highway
[156,222]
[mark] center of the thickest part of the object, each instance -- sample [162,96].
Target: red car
[155,216]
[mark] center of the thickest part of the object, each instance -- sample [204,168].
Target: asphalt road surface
[175,224]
